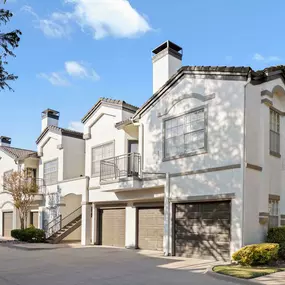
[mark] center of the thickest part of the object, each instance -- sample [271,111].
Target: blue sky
[74,51]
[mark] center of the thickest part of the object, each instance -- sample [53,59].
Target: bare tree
[23,189]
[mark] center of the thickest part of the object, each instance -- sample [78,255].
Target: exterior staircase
[59,228]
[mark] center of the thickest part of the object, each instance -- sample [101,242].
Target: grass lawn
[244,271]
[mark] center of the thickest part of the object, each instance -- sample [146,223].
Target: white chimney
[49,118]
[5,141]
[167,59]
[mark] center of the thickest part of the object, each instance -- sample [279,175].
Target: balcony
[119,168]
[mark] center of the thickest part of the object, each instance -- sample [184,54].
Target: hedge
[257,254]
[30,234]
[276,235]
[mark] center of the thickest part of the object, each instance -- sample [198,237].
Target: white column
[15,217]
[86,223]
[131,226]
[167,218]
[94,224]
[86,216]
[41,218]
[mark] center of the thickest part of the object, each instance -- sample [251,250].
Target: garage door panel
[204,233]
[202,222]
[150,228]
[7,223]
[113,227]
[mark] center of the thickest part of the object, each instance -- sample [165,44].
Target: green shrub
[282,251]
[30,234]
[276,235]
[257,254]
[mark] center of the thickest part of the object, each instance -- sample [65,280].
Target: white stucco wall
[73,157]
[7,163]
[224,146]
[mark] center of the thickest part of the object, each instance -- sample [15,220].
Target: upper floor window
[185,134]
[51,172]
[274,132]
[99,153]
[6,174]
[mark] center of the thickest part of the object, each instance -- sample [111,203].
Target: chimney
[5,141]
[49,118]
[166,60]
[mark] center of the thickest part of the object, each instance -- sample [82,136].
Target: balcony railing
[122,166]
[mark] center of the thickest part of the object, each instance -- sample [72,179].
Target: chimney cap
[50,113]
[5,139]
[167,45]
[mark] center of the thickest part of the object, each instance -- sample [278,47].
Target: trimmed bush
[282,251]
[257,254]
[30,234]
[276,235]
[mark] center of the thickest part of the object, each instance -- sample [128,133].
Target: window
[274,132]
[6,175]
[184,134]
[99,153]
[51,172]
[273,210]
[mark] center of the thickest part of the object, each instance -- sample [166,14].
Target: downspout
[244,157]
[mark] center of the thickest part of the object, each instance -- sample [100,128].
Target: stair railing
[59,223]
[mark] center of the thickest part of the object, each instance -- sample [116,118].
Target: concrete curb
[228,278]
[14,246]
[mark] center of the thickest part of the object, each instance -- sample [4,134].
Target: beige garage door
[35,219]
[150,228]
[113,227]
[203,230]
[7,223]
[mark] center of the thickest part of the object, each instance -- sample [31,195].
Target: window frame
[273,152]
[45,181]
[273,211]
[192,153]
[5,173]
[97,146]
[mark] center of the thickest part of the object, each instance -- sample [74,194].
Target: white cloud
[54,27]
[76,126]
[80,70]
[55,78]
[73,69]
[102,18]
[259,57]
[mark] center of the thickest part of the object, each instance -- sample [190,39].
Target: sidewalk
[36,246]
[272,279]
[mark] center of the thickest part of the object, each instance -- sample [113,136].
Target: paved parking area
[97,266]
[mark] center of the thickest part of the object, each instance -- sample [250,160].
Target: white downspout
[244,158]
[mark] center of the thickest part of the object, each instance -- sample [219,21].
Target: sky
[72,52]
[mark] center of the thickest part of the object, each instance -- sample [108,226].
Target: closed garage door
[112,227]
[150,229]
[203,230]
[35,219]
[7,223]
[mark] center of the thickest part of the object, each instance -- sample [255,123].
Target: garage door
[203,230]
[112,227]
[7,223]
[34,219]
[150,229]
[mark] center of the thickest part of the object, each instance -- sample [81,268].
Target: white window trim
[97,146]
[273,152]
[52,160]
[197,152]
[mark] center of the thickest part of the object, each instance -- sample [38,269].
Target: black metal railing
[58,223]
[122,166]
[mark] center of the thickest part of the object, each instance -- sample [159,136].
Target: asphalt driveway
[96,266]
